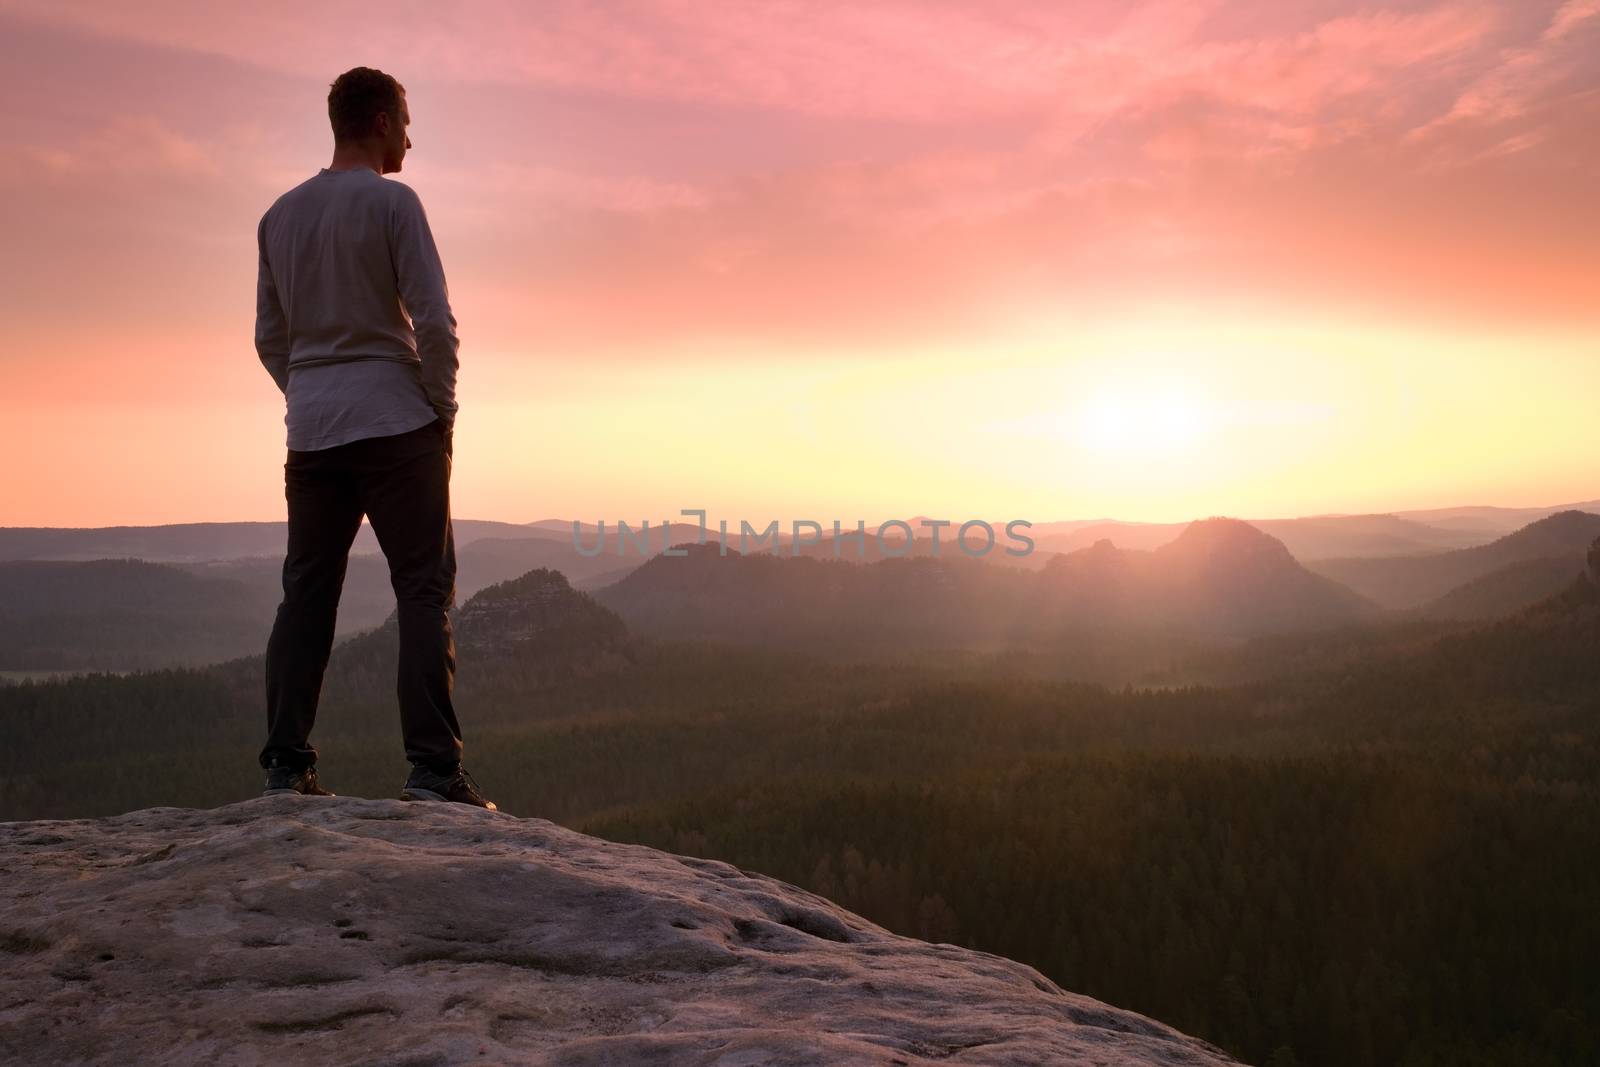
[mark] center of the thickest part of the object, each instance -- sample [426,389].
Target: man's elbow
[438,345]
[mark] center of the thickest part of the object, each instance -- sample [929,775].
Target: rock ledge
[353,931]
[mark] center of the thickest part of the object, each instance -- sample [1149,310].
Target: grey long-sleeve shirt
[353,316]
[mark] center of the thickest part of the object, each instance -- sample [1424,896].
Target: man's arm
[420,277]
[272,327]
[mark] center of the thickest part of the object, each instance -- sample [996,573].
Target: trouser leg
[406,495]
[324,515]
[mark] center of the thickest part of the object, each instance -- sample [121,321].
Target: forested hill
[1381,865]
[1220,578]
[1378,857]
[1413,581]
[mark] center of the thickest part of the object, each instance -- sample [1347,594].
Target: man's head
[367,108]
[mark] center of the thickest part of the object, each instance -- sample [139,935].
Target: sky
[779,260]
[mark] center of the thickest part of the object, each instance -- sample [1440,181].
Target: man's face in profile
[396,141]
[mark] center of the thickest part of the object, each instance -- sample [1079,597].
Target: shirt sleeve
[272,326]
[420,277]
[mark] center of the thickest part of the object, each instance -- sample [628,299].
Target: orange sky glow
[1152,261]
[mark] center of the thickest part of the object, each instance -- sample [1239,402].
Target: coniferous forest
[1327,858]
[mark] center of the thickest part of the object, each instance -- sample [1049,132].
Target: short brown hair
[356,98]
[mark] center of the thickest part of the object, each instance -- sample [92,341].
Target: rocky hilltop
[353,931]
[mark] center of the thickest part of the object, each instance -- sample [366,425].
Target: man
[353,322]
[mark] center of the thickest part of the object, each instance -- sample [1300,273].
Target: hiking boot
[283,779]
[427,784]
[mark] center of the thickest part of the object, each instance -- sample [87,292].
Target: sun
[1141,419]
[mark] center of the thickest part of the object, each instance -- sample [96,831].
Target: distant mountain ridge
[1505,590]
[200,542]
[1309,538]
[1220,576]
[1217,577]
[533,624]
[1494,521]
[1404,583]
[124,614]
[764,598]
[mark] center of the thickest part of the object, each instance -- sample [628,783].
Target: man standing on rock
[353,322]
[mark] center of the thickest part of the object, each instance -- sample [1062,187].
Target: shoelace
[463,777]
[466,779]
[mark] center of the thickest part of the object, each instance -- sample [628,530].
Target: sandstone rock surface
[351,931]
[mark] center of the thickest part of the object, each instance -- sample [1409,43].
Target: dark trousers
[401,482]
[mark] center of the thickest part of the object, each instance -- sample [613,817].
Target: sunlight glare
[1128,419]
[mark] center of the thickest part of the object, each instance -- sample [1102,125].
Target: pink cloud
[900,59]
[1522,81]
[896,164]
[127,144]
[553,189]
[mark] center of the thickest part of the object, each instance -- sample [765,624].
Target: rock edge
[354,931]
